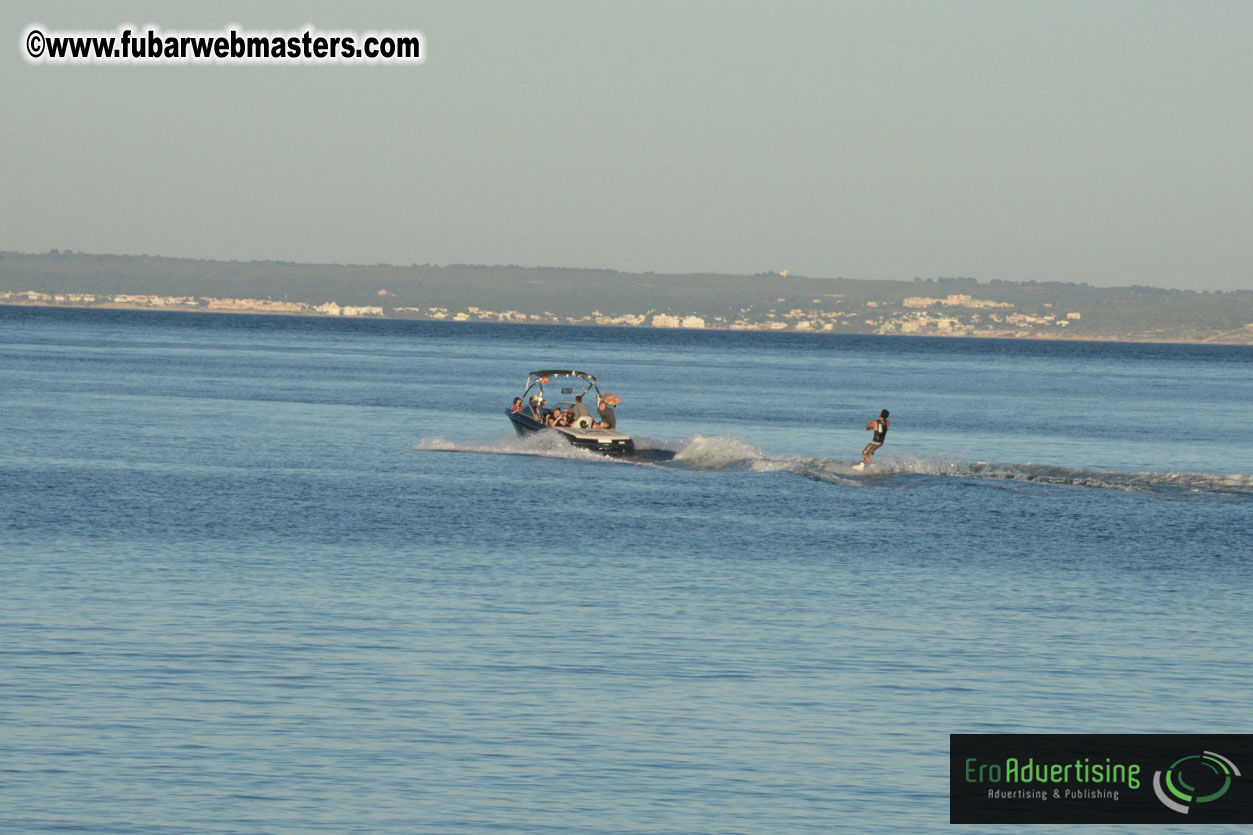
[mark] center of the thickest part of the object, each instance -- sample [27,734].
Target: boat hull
[603,441]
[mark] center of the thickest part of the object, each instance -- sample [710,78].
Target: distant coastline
[774,302]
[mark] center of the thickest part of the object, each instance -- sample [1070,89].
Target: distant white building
[624,319]
[952,300]
[665,320]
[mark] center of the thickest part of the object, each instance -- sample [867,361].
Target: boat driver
[580,411]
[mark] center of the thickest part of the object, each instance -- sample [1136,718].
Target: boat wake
[727,453]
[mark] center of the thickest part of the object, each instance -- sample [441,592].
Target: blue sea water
[296,575]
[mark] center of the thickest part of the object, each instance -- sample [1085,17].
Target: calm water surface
[296,575]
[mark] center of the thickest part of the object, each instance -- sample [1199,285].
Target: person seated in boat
[555,418]
[580,411]
[537,407]
[607,418]
[517,405]
[569,417]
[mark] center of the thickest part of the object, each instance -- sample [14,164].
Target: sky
[1086,141]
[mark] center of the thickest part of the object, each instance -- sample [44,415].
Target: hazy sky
[1106,142]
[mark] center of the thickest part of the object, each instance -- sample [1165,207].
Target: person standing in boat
[879,426]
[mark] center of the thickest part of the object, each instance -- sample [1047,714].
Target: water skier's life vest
[880,430]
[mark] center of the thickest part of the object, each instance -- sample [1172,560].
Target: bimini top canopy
[537,379]
[563,374]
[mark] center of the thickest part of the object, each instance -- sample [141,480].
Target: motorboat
[528,417]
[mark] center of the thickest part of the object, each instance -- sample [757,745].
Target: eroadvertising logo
[1212,773]
[1100,778]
